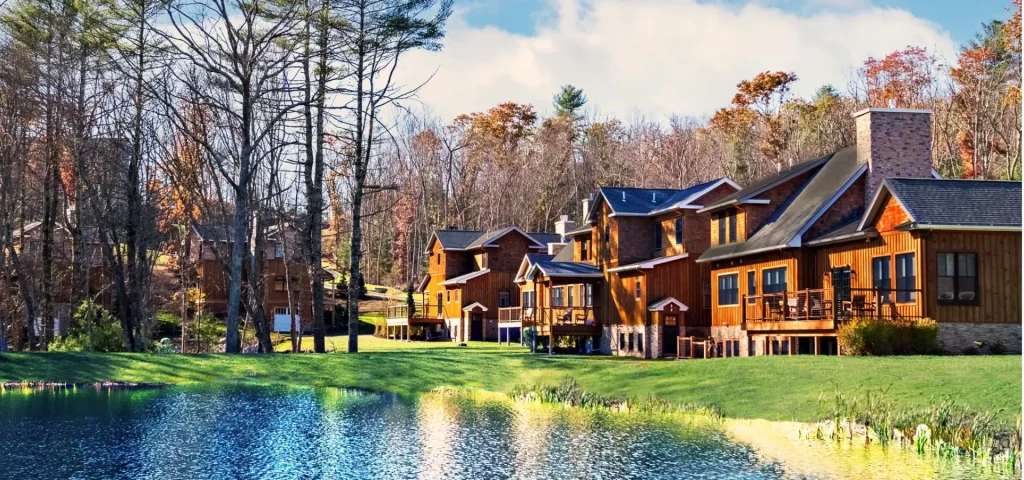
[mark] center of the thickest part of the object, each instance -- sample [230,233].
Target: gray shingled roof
[545,237]
[966,203]
[760,185]
[644,201]
[457,239]
[566,253]
[799,211]
[845,232]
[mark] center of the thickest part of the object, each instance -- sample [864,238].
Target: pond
[279,433]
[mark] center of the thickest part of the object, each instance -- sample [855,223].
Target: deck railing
[573,315]
[423,311]
[510,314]
[831,304]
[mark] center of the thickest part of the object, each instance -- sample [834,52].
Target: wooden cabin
[287,291]
[831,239]
[470,277]
[627,280]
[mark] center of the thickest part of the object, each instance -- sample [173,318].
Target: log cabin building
[470,277]
[865,232]
[284,269]
[627,282]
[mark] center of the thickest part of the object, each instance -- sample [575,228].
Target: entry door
[476,326]
[841,288]
[670,334]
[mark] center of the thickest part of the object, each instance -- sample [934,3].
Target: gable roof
[660,305]
[472,239]
[566,253]
[528,261]
[462,279]
[642,202]
[798,213]
[649,264]
[951,204]
[747,194]
[552,268]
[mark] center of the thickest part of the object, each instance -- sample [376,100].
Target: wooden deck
[824,309]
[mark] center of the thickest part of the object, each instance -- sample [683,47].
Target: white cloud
[658,57]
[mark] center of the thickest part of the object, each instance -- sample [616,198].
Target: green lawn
[773,388]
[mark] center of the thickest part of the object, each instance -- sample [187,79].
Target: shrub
[878,337]
[93,329]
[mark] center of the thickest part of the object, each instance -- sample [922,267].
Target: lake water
[278,433]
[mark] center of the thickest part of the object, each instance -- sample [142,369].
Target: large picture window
[881,277]
[958,278]
[728,289]
[557,298]
[774,280]
[906,278]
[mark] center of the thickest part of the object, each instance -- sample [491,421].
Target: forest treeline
[125,124]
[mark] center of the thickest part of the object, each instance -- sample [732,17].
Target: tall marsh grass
[946,429]
[569,393]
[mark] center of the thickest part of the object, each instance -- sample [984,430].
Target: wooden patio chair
[817,309]
[775,311]
[860,306]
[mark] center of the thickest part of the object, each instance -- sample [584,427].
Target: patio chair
[860,306]
[775,311]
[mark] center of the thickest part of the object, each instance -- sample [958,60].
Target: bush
[889,337]
[93,329]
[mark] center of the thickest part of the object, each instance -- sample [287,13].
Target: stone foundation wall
[733,332]
[651,339]
[955,337]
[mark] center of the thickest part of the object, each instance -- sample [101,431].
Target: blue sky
[655,59]
[961,18]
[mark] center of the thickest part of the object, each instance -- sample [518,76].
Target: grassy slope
[774,388]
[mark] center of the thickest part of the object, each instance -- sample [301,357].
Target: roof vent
[623,195]
[654,197]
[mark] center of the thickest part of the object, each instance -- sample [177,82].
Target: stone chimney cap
[889,110]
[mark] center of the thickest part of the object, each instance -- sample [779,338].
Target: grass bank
[771,388]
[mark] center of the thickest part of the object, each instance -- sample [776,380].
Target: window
[881,277]
[958,278]
[705,288]
[638,290]
[727,226]
[622,341]
[281,311]
[278,250]
[774,280]
[735,348]
[906,278]
[679,231]
[589,298]
[279,284]
[504,298]
[658,232]
[631,335]
[584,250]
[640,342]
[439,258]
[751,286]
[556,297]
[526,299]
[728,289]
[449,299]
[439,298]
[607,233]
[571,290]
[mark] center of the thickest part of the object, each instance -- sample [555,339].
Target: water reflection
[279,433]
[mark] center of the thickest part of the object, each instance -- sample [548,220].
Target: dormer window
[727,226]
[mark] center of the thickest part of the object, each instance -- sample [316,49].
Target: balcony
[826,308]
[421,314]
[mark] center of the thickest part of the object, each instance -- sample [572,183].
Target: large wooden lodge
[772,268]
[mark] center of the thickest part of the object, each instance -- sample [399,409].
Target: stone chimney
[563,225]
[894,142]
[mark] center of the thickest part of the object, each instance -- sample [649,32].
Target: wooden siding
[999,276]
[726,315]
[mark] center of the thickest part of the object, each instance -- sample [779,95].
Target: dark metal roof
[759,186]
[799,211]
[644,201]
[470,239]
[568,269]
[966,203]
[215,232]
[538,257]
